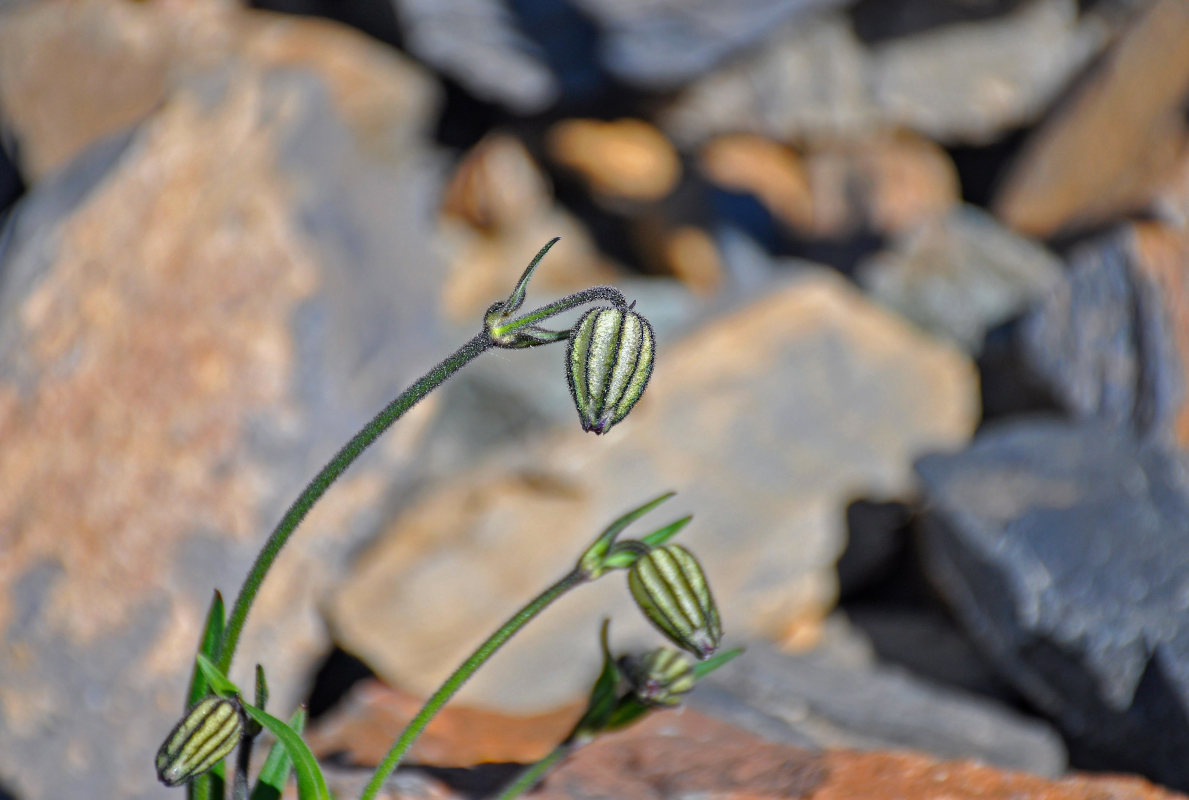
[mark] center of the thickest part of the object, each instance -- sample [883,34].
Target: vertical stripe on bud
[659,678]
[670,588]
[207,734]
[608,365]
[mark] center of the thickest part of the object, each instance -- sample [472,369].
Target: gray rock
[1064,551]
[1103,345]
[961,275]
[478,44]
[807,698]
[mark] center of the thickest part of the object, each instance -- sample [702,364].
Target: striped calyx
[670,588]
[608,365]
[205,736]
[659,678]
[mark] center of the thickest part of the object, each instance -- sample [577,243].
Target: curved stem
[322,481]
[559,306]
[528,779]
[460,676]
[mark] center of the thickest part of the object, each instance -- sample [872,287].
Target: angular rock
[1109,342]
[964,83]
[839,397]
[684,754]
[873,707]
[961,275]
[194,316]
[1064,551]
[1108,149]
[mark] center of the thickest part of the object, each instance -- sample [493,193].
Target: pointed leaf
[261,688]
[516,299]
[212,633]
[217,680]
[703,668]
[310,783]
[592,560]
[662,535]
[277,766]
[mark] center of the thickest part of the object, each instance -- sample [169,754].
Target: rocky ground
[919,273]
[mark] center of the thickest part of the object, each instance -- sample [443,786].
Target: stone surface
[194,315]
[683,754]
[1107,150]
[1109,342]
[625,158]
[479,44]
[960,275]
[840,397]
[1064,551]
[956,83]
[875,707]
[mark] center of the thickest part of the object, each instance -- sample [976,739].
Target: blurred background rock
[919,271]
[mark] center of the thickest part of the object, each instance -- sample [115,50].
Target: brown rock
[363,727]
[163,393]
[498,210]
[626,159]
[767,421]
[1107,150]
[771,171]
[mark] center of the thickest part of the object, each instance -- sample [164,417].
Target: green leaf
[217,680]
[603,697]
[592,560]
[516,299]
[261,688]
[212,633]
[703,668]
[662,535]
[310,783]
[277,766]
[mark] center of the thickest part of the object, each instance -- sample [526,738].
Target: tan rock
[624,159]
[771,171]
[1107,150]
[767,421]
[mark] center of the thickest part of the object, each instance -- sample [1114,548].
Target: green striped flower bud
[659,678]
[206,735]
[608,365]
[670,588]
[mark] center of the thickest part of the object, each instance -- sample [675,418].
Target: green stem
[322,481]
[559,306]
[528,779]
[462,674]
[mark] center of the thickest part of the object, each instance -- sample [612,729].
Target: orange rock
[771,171]
[1106,151]
[373,715]
[625,159]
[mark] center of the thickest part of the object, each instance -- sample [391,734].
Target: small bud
[671,589]
[608,365]
[206,735]
[659,678]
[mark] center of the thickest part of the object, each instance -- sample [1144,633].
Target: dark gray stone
[1064,550]
[1102,344]
[807,699]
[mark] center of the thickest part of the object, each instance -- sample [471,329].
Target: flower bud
[608,365]
[659,678]
[670,588]
[206,735]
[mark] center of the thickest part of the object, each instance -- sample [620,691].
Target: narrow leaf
[212,633]
[277,766]
[516,299]
[217,680]
[310,783]
[703,668]
[261,688]
[662,535]
[592,559]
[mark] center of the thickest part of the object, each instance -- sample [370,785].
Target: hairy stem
[462,675]
[329,473]
[543,313]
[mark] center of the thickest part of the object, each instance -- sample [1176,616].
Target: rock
[1109,342]
[661,44]
[362,728]
[684,754]
[961,275]
[1106,150]
[840,396]
[480,44]
[1063,549]
[966,83]
[837,189]
[872,707]
[623,159]
[195,315]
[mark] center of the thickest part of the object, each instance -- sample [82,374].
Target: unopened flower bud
[659,678]
[608,365]
[206,735]
[670,588]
